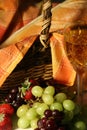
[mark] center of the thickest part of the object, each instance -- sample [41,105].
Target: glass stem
[80,88]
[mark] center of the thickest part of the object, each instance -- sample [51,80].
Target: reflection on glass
[76,49]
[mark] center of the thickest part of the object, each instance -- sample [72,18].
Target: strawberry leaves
[25,87]
[25,90]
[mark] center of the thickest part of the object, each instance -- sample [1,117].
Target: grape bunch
[49,111]
[14,98]
[52,120]
[20,95]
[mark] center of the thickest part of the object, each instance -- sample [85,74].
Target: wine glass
[75,35]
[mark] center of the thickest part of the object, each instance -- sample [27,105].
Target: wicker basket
[35,64]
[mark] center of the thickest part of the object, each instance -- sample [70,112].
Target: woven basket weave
[36,63]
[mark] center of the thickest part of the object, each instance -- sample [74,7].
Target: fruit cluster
[14,98]
[42,105]
[20,95]
[49,110]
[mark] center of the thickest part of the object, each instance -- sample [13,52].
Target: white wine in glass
[76,49]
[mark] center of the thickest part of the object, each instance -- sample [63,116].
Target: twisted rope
[46,12]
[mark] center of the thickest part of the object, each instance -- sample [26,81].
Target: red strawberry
[6,109]
[5,122]
[33,82]
[26,89]
[28,94]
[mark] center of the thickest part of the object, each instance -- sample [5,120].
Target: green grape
[56,106]
[33,123]
[80,125]
[49,90]
[77,109]
[31,114]
[48,99]
[68,116]
[21,111]
[68,105]
[36,105]
[60,97]
[37,91]
[42,107]
[23,122]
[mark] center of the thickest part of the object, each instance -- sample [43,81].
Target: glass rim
[74,24]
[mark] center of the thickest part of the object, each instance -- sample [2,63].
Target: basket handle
[46,12]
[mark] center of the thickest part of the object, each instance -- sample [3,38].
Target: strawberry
[6,109]
[33,82]
[5,122]
[28,94]
[25,90]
